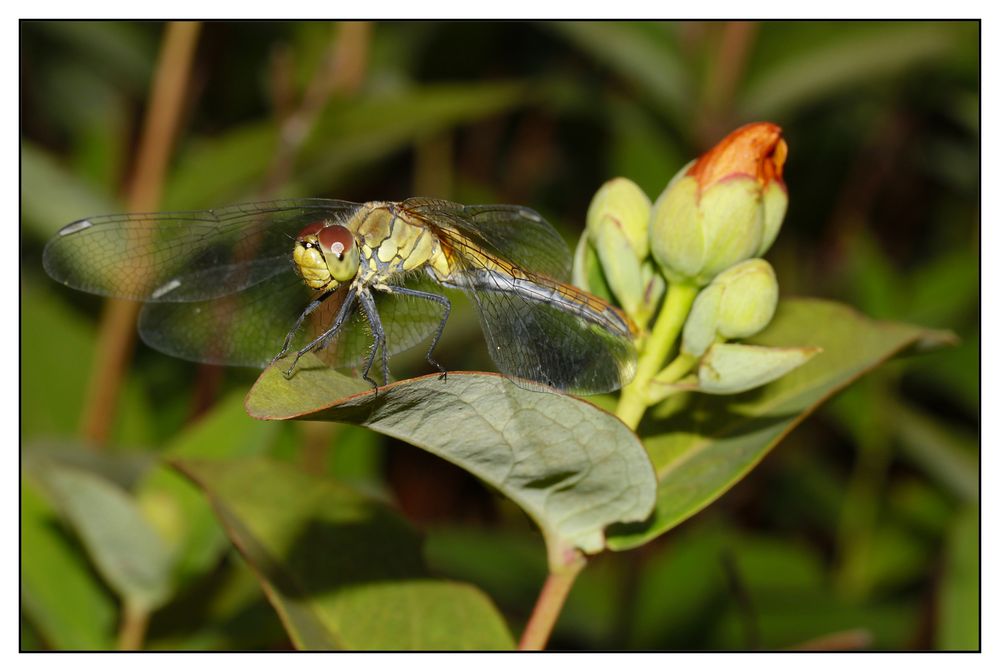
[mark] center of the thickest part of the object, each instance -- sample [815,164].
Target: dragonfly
[252,284]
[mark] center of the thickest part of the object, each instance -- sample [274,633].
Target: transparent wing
[183,256]
[551,333]
[248,328]
[537,327]
[516,234]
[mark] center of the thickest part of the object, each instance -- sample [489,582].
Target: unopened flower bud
[723,208]
[617,228]
[622,203]
[739,303]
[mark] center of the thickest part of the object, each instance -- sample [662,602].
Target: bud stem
[634,400]
[662,385]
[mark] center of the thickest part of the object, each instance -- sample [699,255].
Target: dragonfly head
[326,255]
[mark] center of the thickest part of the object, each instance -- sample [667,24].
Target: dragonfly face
[222,286]
[326,255]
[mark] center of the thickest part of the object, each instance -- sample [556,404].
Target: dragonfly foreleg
[443,300]
[345,310]
[371,313]
[313,305]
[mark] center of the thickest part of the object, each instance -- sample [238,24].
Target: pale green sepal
[749,299]
[775,205]
[623,202]
[733,224]
[620,265]
[587,273]
[676,233]
[730,368]
[580,262]
[653,288]
[702,321]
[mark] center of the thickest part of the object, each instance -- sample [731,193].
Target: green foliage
[329,531]
[342,570]
[61,595]
[695,466]
[572,467]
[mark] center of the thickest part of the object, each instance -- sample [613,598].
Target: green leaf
[342,570]
[572,467]
[126,550]
[856,56]
[707,444]
[62,597]
[958,628]
[178,509]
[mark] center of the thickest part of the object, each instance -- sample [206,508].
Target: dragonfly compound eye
[340,250]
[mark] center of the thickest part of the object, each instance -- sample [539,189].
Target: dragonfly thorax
[326,255]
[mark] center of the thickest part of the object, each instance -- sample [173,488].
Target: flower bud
[723,208]
[617,228]
[739,303]
[623,204]
[731,368]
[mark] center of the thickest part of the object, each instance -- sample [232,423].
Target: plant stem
[550,603]
[132,630]
[662,384]
[634,400]
[117,329]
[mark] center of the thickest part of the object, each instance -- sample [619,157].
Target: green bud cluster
[699,245]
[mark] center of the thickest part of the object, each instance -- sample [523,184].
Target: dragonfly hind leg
[322,339]
[371,314]
[437,298]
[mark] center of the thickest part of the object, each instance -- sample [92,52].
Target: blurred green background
[860,531]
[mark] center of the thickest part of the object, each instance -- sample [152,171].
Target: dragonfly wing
[552,334]
[183,256]
[242,329]
[539,329]
[511,232]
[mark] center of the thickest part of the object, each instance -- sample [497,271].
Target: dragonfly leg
[371,313]
[313,305]
[437,298]
[345,310]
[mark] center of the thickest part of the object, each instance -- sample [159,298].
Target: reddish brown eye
[310,230]
[336,239]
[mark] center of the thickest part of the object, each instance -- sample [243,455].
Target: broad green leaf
[865,54]
[126,550]
[58,345]
[702,445]
[640,54]
[60,594]
[342,570]
[958,627]
[572,467]
[51,196]
[178,509]
[233,614]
